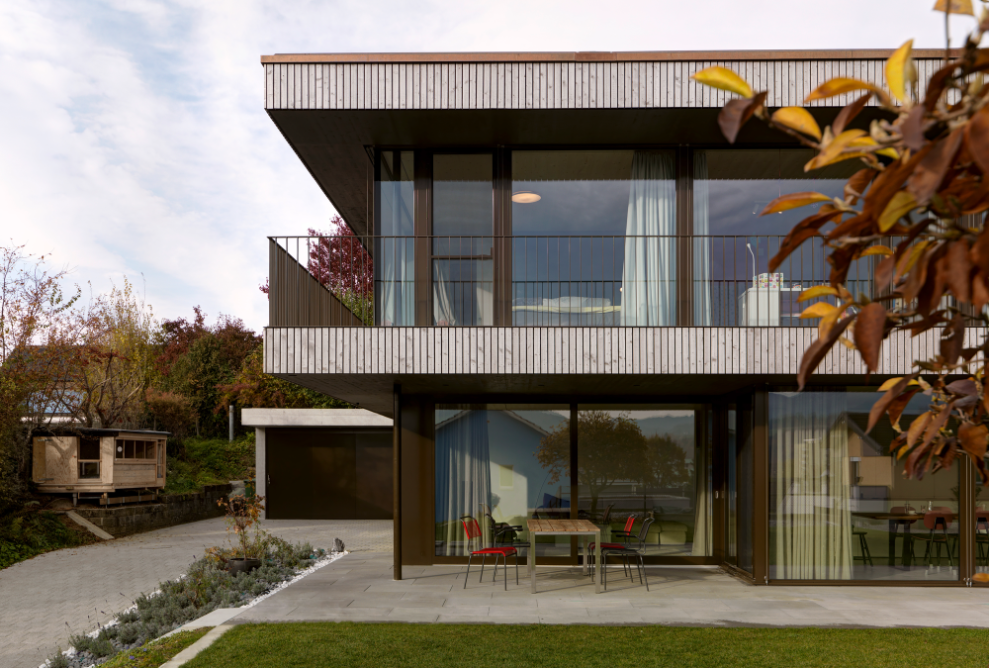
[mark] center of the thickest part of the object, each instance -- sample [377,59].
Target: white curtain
[648,276]
[810,505]
[702,243]
[443,313]
[396,295]
[463,478]
[703,531]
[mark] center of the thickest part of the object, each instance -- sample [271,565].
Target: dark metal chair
[937,521]
[473,532]
[866,556]
[629,552]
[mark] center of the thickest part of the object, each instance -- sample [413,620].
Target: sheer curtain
[649,272]
[810,492]
[703,531]
[394,262]
[463,477]
[702,243]
[443,297]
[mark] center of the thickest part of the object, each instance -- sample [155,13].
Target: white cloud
[134,139]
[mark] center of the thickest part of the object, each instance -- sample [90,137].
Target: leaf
[817,350]
[858,182]
[963,388]
[802,231]
[723,79]
[876,250]
[832,152]
[892,393]
[736,113]
[828,321]
[953,339]
[928,175]
[799,119]
[868,333]
[913,128]
[954,7]
[981,577]
[848,113]
[897,406]
[918,427]
[817,310]
[936,85]
[816,291]
[891,382]
[900,71]
[838,86]
[977,139]
[902,203]
[973,439]
[794,201]
[959,270]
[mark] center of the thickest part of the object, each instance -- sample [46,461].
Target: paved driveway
[46,599]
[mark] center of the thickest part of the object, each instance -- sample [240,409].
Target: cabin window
[89,458]
[129,449]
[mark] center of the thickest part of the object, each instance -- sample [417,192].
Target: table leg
[907,545]
[532,562]
[585,552]
[597,562]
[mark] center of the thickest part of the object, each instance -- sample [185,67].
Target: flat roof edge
[595,56]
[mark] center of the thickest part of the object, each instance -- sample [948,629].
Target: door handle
[269,478]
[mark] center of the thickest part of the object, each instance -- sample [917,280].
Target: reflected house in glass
[573,314]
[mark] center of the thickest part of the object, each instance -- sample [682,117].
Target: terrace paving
[359,588]
[46,599]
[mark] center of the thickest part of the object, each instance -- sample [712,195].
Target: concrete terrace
[359,588]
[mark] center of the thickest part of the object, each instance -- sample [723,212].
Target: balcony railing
[573,281]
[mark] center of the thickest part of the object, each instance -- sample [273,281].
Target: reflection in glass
[394,253]
[491,464]
[462,224]
[646,463]
[840,508]
[597,246]
[732,286]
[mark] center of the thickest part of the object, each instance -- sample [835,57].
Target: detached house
[557,287]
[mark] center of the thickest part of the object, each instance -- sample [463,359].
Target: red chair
[473,531]
[626,535]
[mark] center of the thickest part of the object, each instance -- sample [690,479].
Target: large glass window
[646,462]
[501,465]
[394,260]
[593,238]
[733,243]
[840,508]
[463,223]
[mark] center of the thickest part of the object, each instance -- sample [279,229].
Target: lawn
[357,645]
[156,652]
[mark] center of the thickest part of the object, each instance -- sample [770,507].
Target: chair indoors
[907,525]
[473,532]
[936,521]
[629,552]
[982,537]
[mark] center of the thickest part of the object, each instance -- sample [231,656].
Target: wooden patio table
[584,528]
[905,520]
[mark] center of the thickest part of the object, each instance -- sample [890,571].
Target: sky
[134,143]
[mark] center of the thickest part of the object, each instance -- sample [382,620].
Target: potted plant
[242,514]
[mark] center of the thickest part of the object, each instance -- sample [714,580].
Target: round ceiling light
[525,197]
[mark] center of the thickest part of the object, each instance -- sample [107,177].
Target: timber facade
[554,278]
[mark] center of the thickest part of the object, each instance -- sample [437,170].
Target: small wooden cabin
[99,462]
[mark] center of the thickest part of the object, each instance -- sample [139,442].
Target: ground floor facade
[776,486]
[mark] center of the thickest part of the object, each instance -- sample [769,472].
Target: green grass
[28,533]
[156,652]
[311,645]
[209,461]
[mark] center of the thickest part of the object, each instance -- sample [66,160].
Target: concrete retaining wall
[169,511]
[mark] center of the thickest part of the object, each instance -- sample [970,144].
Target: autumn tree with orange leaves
[919,204]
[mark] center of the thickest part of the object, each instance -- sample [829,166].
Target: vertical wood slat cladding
[578,350]
[296,299]
[564,85]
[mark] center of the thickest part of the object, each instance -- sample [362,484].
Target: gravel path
[46,599]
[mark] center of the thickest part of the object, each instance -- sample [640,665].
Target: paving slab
[677,596]
[46,599]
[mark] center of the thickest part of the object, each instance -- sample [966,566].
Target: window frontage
[840,508]
[594,238]
[506,464]
[499,465]
[394,258]
[646,462]
[89,458]
[733,244]
[463,224]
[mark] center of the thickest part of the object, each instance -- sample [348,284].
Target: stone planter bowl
[238,565]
